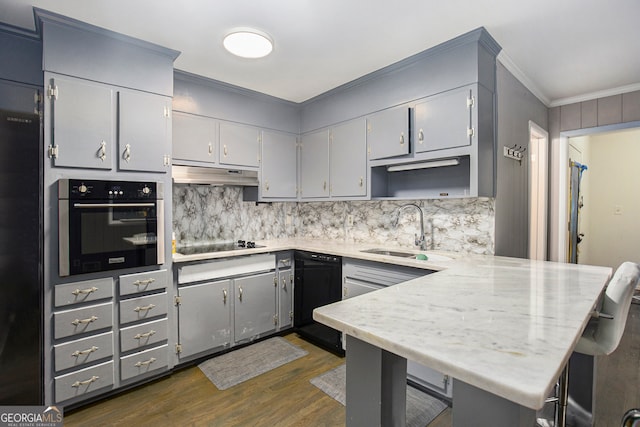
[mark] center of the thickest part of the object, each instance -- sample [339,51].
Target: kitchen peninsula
[503,328]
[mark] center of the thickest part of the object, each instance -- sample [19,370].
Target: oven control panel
[86,189]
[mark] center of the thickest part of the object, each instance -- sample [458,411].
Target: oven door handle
[113,205]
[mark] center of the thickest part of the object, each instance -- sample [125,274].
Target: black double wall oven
[109,225]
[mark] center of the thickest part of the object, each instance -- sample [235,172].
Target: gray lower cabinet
[83,345]
[239,145]
[204,318]
[279,166]
[285,298]
[360,277]
[80,122]
[314,165]
[195,138]
[144,131]
[255,306]
[444,121]
[348,159]
[388,133]
[144,325]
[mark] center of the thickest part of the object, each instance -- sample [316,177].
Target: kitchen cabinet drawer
[143,362]
[86,291]
[141,308]
[139,336]
[83,351]
[83,382]
[81,320]
[141,282]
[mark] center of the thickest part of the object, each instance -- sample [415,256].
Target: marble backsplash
[206,213]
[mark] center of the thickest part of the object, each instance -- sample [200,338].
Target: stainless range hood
[213,176]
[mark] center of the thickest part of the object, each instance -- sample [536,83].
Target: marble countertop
[332,247]
[505,325]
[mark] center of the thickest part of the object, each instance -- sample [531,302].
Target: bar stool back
[604,331]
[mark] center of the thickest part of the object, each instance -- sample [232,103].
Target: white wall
[612,182]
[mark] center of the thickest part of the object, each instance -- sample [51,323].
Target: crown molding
[508,63]
[595,95]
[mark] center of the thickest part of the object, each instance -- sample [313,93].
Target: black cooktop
[201,248]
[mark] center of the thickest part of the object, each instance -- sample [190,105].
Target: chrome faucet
[419,241]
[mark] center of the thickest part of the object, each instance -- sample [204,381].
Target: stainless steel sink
[401,254]
[389,253]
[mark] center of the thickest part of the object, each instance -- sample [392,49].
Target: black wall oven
[109,225]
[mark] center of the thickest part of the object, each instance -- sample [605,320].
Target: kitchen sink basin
[389,253]
[401,254]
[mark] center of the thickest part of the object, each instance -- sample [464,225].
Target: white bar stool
[604,331]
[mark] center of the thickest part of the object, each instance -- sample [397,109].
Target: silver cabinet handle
[127,152]
[84,291]
[361,181]
[224,147]
[324,185]
[102,152]
[144,282]
[224,296]
[145,363]
[145,335]
[91,319]
[266,185]
[144,308]
[420,136]
[284,283]
[401,138]
[78,353]
[240,293]
[210,148]
[85,382]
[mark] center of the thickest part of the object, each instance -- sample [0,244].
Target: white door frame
[538,191]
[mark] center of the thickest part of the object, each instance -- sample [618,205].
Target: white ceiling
[562,50]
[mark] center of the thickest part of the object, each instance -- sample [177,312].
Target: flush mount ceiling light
[248,43]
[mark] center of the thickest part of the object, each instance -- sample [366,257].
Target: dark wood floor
[284,396]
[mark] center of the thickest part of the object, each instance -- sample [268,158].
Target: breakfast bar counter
[503,328]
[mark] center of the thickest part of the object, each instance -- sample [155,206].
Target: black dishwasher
[318,282]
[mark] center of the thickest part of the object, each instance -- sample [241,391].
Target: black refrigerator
[21,341]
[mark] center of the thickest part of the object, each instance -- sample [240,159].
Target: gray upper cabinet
[279,161]
[348,161]
[144,126]
[444,121]
[194,138]
[314,165]
[388,133]
[239,145]
[81,118]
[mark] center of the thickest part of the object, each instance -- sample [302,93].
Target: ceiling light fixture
[248,43]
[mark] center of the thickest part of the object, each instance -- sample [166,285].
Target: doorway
[610,198]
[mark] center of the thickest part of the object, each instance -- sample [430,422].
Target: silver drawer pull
[84,291]
[224,296]
[102,152]
[240,293]
[78,353]
[85,382]
[127,153]
[145,335]
[145,363]
[144,282]
[144,308]
[84,321]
